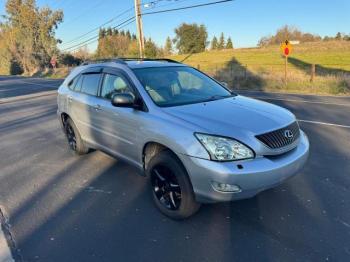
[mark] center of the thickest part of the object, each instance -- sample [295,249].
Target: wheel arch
[151,149]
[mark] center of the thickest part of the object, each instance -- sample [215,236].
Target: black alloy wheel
[166,187]
[72,140]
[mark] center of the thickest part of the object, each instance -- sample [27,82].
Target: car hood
[239,113]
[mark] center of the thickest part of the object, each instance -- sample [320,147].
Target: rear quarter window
[90,83]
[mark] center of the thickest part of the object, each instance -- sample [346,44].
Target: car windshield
[172,86]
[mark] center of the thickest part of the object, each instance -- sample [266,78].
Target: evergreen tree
[339,36]
[229,44]
[115,31]
[122,33]
[109,31]
[101,33]
[168,48]
[133,37]
[151,49]
[221,44]
[128,35]
[214,43]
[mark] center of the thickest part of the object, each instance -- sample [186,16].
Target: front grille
[279,138]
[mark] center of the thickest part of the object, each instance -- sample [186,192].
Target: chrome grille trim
[277,139]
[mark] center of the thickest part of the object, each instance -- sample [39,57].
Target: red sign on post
[286,48]
[53,62]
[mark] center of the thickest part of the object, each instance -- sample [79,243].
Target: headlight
[224,149]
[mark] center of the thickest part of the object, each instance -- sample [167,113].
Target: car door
[83,105]
[120,126]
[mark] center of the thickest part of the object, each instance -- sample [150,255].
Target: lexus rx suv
[195,140]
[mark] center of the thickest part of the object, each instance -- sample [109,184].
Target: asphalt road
[61,207]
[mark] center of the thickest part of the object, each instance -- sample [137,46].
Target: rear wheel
[75,143]
[171,188]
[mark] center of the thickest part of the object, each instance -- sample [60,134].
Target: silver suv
[194,140]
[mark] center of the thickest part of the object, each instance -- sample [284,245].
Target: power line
[186,7]
[132,19]
[85,11]
[95,38]
[113,19]
[98,27]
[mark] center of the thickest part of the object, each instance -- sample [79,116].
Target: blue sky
[246,21]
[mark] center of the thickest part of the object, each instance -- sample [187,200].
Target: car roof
[134,64]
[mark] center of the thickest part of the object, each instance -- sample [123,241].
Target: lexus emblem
[288,134]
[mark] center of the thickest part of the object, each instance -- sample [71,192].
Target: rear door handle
[70,99]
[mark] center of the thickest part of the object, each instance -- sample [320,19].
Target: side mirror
[123,100]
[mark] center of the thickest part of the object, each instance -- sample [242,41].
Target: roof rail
[149,59]
[99,61]
[122,60]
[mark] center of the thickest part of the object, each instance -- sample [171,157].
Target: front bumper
[253,176]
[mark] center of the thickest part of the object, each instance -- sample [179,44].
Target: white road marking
[322,123]
[5,253]
[25,97]
[300,101]
[289,93]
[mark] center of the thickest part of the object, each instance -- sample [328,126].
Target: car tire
[75,143]
[171,187]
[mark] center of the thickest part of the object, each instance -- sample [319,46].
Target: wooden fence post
[313,72]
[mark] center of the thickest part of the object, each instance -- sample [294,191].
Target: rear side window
[72,83]
[77,86]
[90,83]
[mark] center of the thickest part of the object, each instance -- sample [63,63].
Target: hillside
[263,68]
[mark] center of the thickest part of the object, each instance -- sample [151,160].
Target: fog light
[226,187]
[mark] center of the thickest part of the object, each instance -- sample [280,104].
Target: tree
[221,44]
[191,38]
[168,48]
[214,43]
[101,33]
[30,34]
[288,33]
[229,44]
[128,35]
[109,31]
[339,36]
[151,49]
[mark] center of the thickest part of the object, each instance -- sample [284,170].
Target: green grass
[263,68]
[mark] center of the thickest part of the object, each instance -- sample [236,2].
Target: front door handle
[70,99]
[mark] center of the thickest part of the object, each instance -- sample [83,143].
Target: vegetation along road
[61,207]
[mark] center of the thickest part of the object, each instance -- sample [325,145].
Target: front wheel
[171,188]
[74,140]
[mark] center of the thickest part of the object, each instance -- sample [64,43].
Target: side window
[90,83]
[77,86]
[72,83]
[113,84]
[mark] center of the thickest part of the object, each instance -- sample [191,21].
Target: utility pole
[139,28]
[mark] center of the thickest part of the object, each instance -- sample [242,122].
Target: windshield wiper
[217,97]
